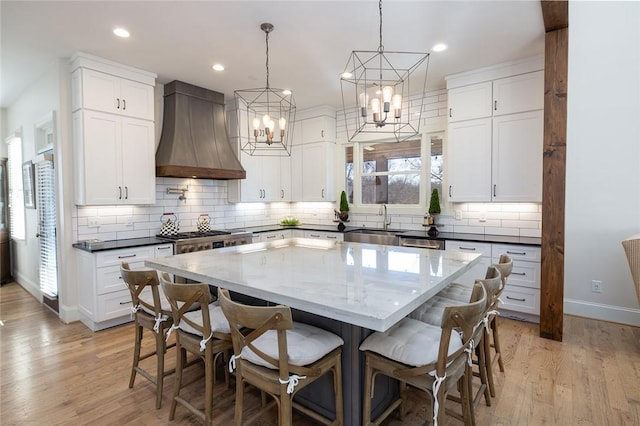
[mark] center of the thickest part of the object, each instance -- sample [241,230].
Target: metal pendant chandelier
[268,114]
[387,89]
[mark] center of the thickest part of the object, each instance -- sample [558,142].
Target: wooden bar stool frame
[136,282]
[183,298]
[250,322]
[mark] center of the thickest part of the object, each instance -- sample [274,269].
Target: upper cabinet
[313,157]
[113,132]
[495,135]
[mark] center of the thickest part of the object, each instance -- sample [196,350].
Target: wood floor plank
[58,374]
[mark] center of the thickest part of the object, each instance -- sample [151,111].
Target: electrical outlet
[596,286]
[93,223]
[458,214]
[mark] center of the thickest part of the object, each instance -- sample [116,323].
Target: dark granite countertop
[118,244]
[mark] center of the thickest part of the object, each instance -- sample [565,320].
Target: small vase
[343,216]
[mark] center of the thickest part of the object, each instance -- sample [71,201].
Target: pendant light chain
[380,47]
[267,41]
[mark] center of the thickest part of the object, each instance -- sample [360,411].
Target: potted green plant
[343,215]
[434,210]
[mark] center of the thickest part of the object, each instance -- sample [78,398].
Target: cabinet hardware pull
[163,248]
[120,192]
[271,236]
[124,303]
[126,192]
[118,100]
[331,238]
[519,273]
[494,190]
[449,191]
[322,133]
[323,193]
[129,255]
[314,235]
[467,248]
[495,105]
[450,111]
[521,253]
[282,193]
[124,104]
[515,298]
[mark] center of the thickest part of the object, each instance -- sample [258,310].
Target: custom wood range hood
[194,141]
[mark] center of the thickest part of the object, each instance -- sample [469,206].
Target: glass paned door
[46,205]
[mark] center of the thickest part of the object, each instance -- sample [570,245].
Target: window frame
[425,176]
[17,229]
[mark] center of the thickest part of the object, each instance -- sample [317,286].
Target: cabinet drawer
[324,235]
[517,252]
[130,255]
[108,278]
[521,299]
[163,250]
[525,274]
[113,305]
[484,249]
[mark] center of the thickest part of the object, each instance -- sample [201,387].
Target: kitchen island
[347,288]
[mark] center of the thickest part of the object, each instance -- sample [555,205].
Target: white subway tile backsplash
[527,224]
[531,233]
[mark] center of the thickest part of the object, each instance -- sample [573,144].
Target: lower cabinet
[103,298]
[521,297]
[320,235]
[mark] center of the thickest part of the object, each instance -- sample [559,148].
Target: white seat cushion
[305,345]
[431,311]
[218,321]
[147,296]
[410,342]
[455,291]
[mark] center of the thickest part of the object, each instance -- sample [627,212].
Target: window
[16,197]
[396,173]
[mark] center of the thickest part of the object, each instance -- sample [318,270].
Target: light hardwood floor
[57,374]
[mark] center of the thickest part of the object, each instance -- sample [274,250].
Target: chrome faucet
[386,220]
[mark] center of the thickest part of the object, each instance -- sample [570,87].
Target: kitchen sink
[373,236]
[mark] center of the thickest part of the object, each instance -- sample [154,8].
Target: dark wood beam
[555,15]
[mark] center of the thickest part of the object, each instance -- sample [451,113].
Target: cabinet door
[250,189]
[138,161]
[318,129]
[519,93]
[100,91]
[316,174]
[517,157]
[470,102]
[285,179]
[99,142]
[470,161]
[136,99]
[270,178]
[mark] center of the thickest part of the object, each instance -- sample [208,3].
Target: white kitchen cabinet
[103,298]
[521,297]
[100,91]
[113,132]
[496,154]
[470,102]
[274,235]
[469,170]
[320,235]
[312,172]
[477,271]
[268,179]
[114,159]
[517,157]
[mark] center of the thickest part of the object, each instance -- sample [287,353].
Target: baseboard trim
[598,311]
[69,314]
[30,286]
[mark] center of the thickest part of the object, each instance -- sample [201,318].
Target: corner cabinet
[495,139]
[103,298]
[313,158]
[113,132]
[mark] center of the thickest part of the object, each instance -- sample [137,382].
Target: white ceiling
[309,48]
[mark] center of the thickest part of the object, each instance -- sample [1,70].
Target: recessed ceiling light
[439,47]
[218,67]
[286,92]
[121,32]
[347,75]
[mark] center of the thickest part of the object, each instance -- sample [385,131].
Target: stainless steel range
[187,242]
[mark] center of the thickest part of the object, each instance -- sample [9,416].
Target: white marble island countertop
[371,286]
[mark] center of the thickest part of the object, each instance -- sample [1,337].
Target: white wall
[3,133]
[603,158]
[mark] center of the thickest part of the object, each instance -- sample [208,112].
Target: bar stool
[429,358]
[280,357]
[150,311]
[203,333]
